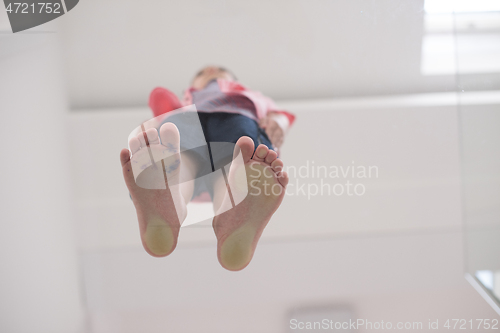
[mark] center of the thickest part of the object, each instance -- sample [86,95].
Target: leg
[238,229]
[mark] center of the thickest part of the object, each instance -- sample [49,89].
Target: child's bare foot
[160,207]
[238,229]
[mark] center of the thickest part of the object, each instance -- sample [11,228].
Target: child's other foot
[160,207]
[238,230]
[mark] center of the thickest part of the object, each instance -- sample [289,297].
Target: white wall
[395,253]
[39,282]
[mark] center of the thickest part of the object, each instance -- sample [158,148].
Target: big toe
[245,146]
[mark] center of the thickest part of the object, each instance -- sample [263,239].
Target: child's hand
[275,125]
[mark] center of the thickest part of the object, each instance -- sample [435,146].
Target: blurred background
[409,87]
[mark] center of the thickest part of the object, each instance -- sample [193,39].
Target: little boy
[234,120]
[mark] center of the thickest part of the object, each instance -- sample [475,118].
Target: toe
[134,145]
[141,138]
[124,156]
[169,135]
[277,165]
[152,135]
[271,156]
[245,146]
[283,178]
[261,153]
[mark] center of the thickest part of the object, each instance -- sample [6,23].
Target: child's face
[209,73]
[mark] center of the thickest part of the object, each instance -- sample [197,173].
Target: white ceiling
[116,51]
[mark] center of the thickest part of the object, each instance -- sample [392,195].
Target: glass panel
[477,46]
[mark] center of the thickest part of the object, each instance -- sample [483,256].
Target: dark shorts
[212,146]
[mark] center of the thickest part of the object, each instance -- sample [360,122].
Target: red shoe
[162,100]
